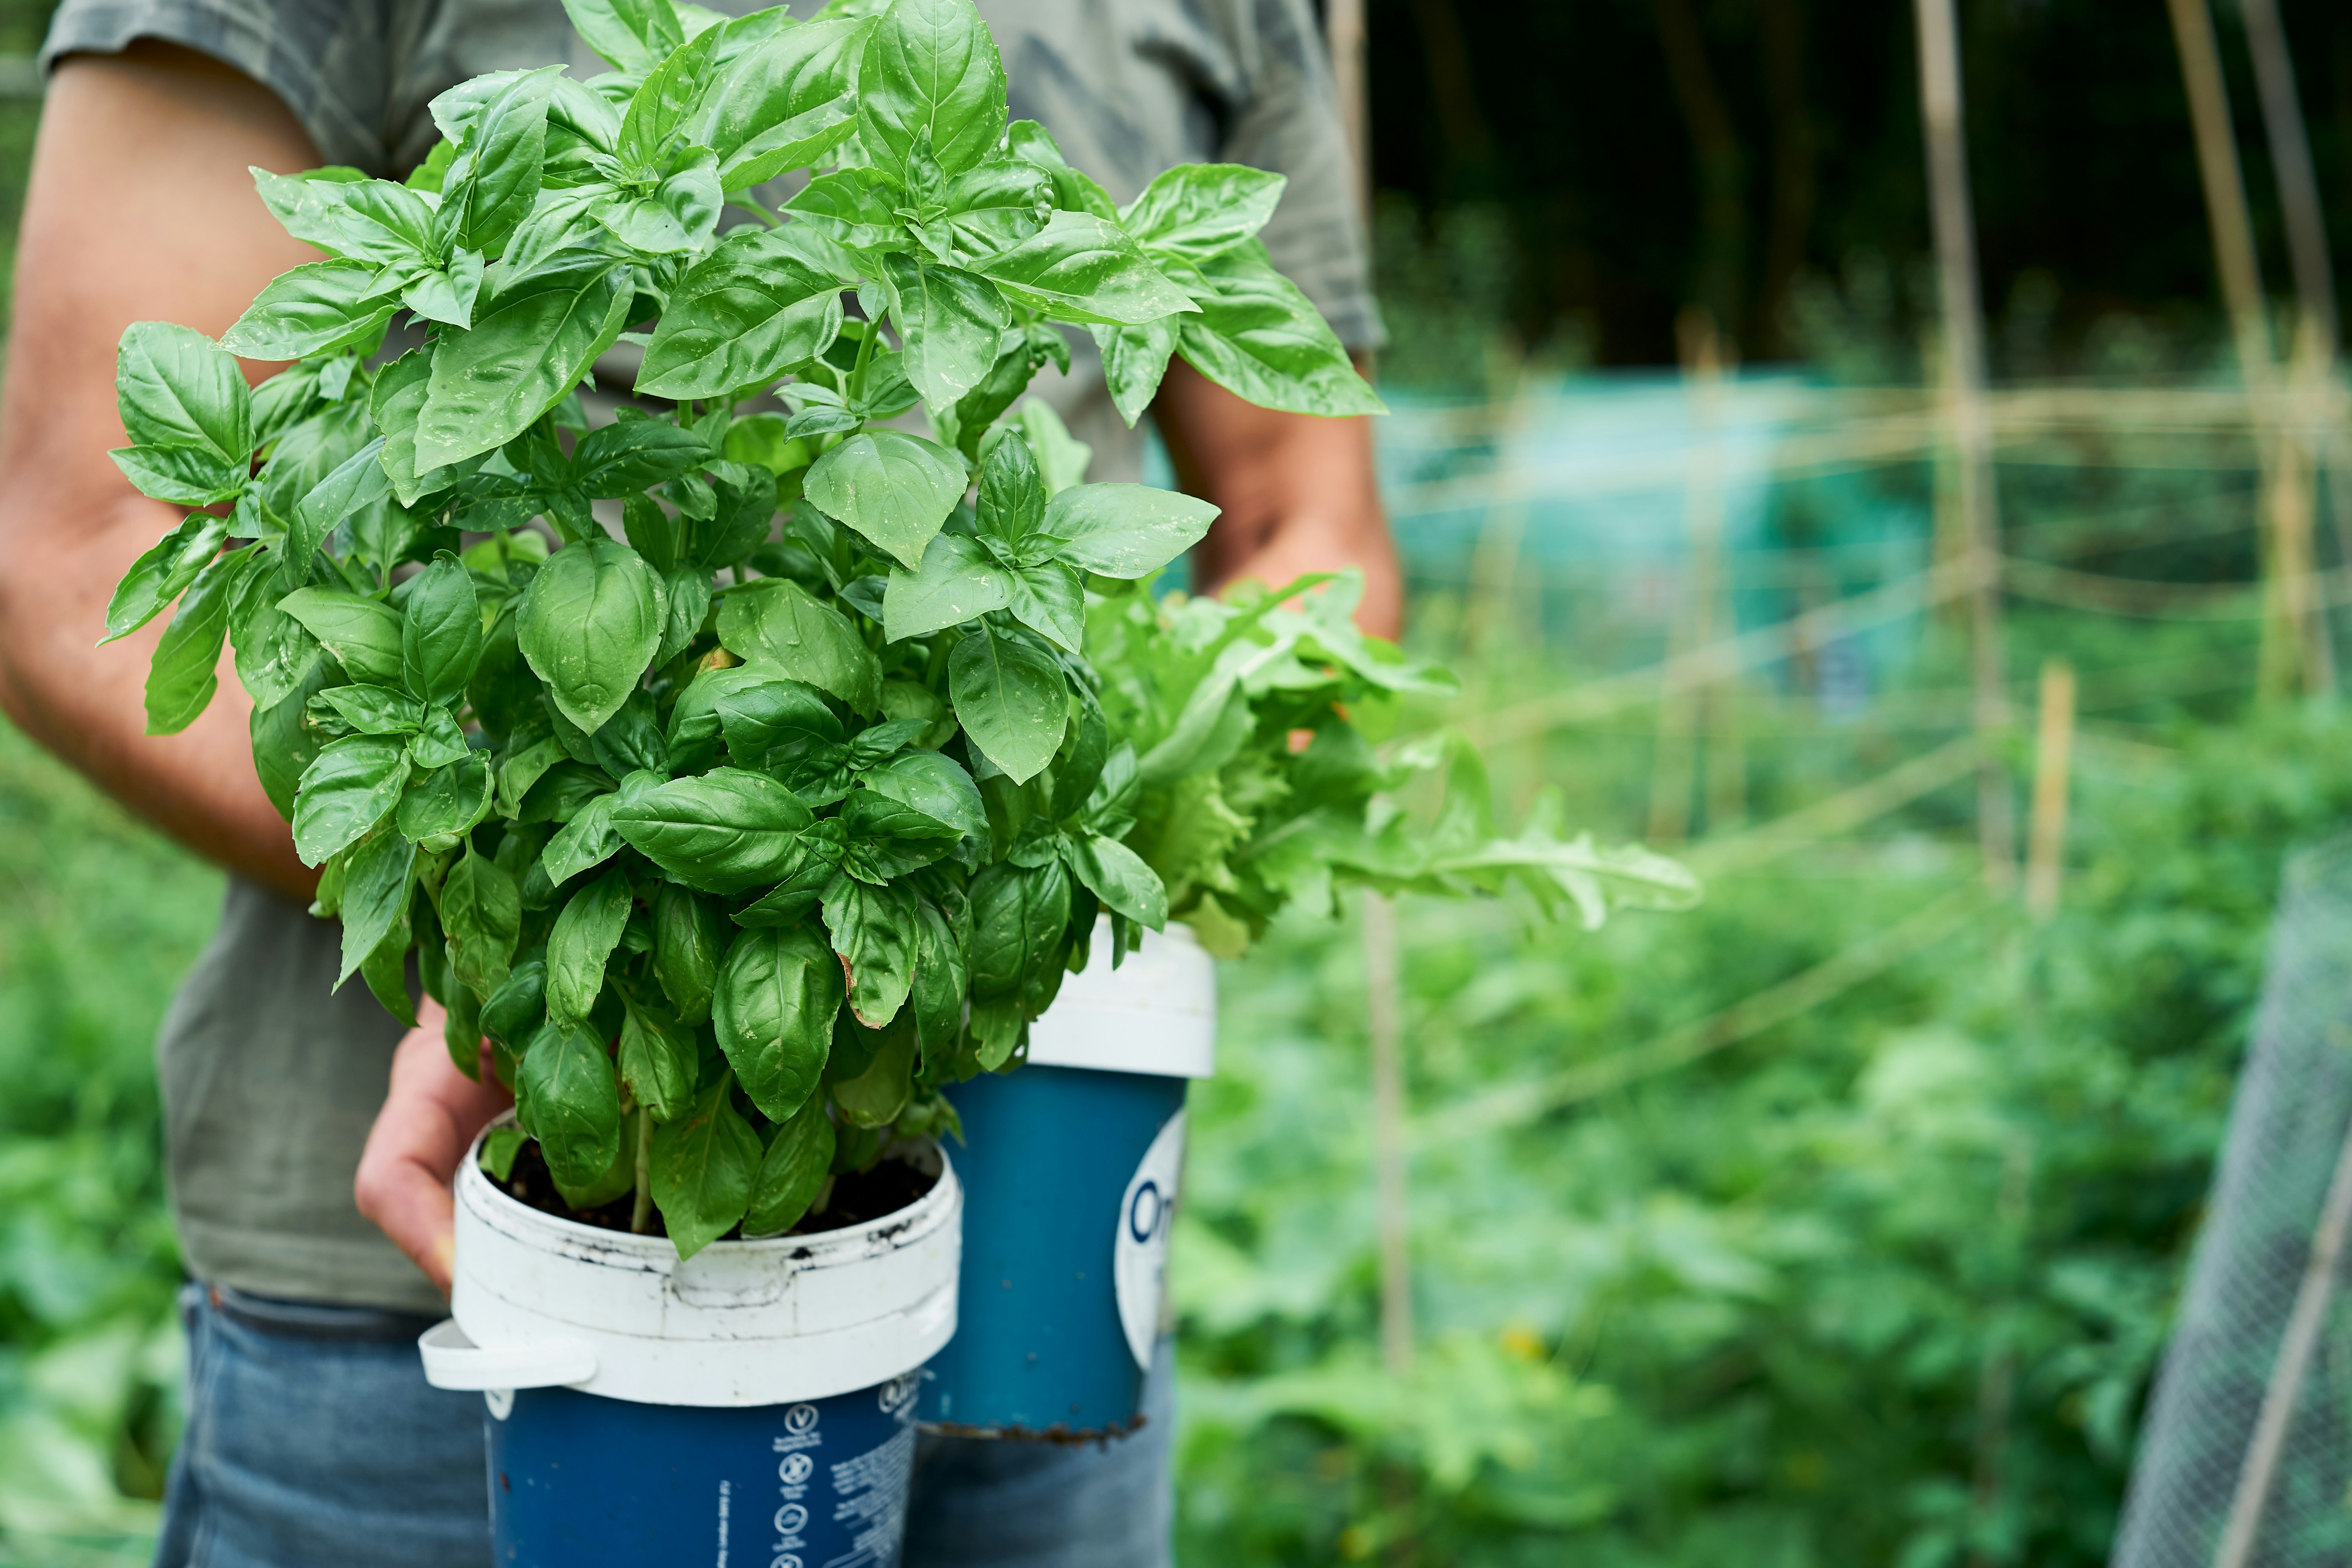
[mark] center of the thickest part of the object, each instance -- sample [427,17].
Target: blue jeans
[314,1439]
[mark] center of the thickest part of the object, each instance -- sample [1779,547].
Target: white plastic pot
[541,1302]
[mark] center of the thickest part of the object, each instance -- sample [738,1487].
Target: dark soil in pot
[857,1196]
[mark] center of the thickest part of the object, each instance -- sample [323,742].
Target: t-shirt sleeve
[331,62]
[1287,119]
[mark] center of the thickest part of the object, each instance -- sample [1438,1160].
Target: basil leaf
[581,943]
[164,573]
[588,840]
[362,220]
[852,209]
[657,1061]
[310,310]
[687,595]
[773,1009]
[362,634]
[373,711]
[447,294]
[957,582]
[632,455]
[779,624]
[887,838]
[184,476]
[450,802]
[440,631]
[721,833]
[756,718]
[1051,601]
[523,356]
[1125,530]
[940,980]
[893,487]
[184,673]
[396,402]
[575,1105]
[703,1164]
[688,937]
[739,317]
[998,203]
[350,787]
[1118,876]
[798,1163]
[1259,337]
[662,103]
[1197,211]
[633,35]
[1135,360]
[784,102]
[175,387]
[873,929]
[356,483]
[514,1010]
[631,741]
[678,216]
[935,785]
[930,77]
[439,741]
[1081,268]
[1010,698]
[589,624]
[376,885]
[481,910]
[876,1096]
[816,860]
[693,735]
[283,745]
[275,654]
[1018,916]
[950,320]
[504,146]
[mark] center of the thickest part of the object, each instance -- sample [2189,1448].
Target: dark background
[1643,155]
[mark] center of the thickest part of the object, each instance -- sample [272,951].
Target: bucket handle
[453,1361]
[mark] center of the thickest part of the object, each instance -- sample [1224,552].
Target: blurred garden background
[1839,1222]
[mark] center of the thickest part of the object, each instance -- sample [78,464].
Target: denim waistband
[312,1320]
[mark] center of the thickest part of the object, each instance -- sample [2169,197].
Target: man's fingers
[428,1120]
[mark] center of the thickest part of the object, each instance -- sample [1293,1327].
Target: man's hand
[428,1121]
[1299,493]
[139,209]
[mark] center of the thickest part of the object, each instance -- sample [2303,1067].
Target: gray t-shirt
[270,1079]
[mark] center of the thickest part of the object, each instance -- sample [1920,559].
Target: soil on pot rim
[857,1196]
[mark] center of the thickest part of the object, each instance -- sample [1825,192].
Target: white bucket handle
[453,1361]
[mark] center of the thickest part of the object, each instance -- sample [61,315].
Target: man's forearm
[140,208]
[88,703]
[1298,494]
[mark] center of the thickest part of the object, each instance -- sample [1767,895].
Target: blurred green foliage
[1882,1284]
[98,919]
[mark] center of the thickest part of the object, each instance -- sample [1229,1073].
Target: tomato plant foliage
[796,800]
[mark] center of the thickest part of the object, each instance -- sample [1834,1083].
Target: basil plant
[738,834]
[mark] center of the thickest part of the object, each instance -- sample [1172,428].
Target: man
[312,1438]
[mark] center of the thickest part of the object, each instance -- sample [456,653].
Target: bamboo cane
[1964,360]
[2052,761]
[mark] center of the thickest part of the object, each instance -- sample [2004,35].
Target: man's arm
[140,208]
[1299,493]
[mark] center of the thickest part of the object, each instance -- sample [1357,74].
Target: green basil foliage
[749,767]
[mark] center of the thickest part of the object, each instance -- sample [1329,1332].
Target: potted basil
[743,835]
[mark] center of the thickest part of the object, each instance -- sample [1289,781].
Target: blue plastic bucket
[578,1481]
[751,1406]
[1070,1166]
